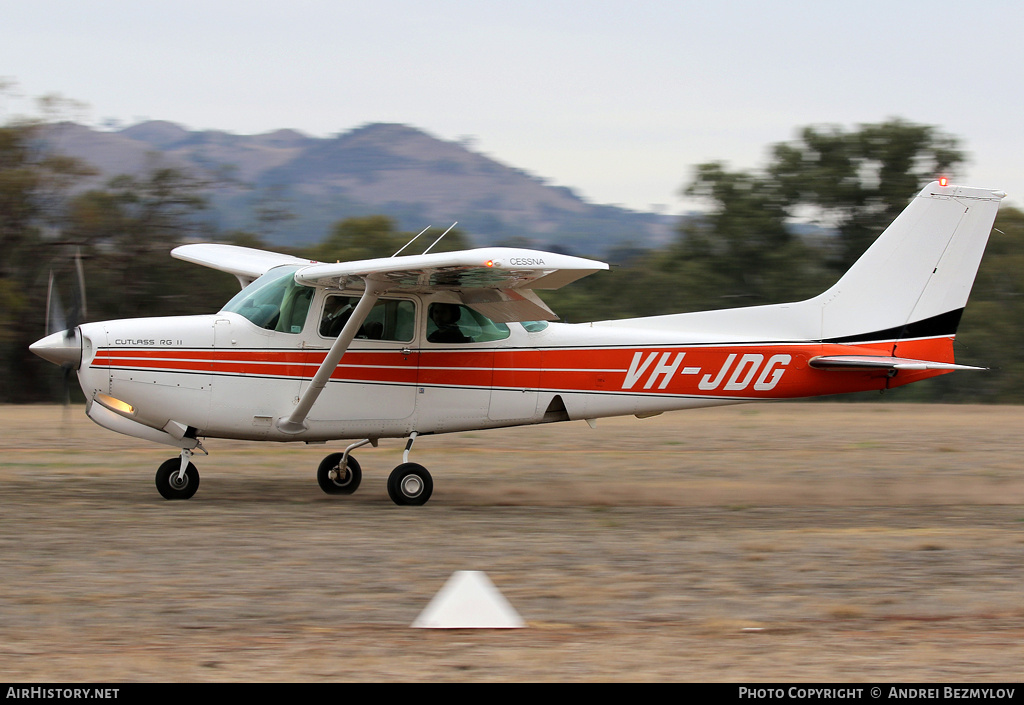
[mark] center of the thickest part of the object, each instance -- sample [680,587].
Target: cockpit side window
[389,319]
[534,326]
[274,301]
[454,323]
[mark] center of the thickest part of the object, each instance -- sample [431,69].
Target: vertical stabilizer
[916,277]
[913,281]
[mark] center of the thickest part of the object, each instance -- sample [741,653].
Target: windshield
[274,301]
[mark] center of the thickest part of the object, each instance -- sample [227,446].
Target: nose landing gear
[177,478]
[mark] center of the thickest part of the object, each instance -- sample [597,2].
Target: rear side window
[389,319]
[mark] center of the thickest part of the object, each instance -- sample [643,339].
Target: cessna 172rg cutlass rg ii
[423,344]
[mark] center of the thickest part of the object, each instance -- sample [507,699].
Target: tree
[991,325]
[272,208]
[744,251]
[127,231]
[32,185]
[858,182]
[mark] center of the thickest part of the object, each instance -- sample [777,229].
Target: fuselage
[402,346]
[229,375]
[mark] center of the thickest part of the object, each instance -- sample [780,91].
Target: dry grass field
[792,542]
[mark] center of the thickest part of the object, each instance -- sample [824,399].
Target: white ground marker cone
[469,600]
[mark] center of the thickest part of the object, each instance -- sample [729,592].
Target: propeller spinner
[62,348]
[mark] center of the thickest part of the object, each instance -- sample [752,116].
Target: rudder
[915,278]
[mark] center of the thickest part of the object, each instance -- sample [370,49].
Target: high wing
[497,281]
[483,267]
[246,263]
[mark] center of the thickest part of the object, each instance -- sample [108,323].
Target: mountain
[389,169]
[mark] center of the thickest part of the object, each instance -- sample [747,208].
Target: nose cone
[60,349]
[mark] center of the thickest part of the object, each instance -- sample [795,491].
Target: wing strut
[296,422]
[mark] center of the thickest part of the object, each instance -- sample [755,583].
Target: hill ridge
[393,169]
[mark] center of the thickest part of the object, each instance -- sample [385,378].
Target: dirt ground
[791,542]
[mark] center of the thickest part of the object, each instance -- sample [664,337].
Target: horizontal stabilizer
[859,363]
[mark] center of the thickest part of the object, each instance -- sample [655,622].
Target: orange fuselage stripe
[769,370]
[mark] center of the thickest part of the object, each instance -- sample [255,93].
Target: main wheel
[410,484]
[345,481]
[168,484]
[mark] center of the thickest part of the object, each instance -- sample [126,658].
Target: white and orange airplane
[406,346]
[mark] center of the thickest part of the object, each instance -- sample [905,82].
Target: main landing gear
[409,484]
[339,474]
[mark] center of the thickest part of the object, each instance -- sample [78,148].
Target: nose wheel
[173,484]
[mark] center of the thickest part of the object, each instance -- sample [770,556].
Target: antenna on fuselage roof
[439,239]
[412,241]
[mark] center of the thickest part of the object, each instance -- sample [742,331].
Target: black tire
[410,485]
[167,480]
[349,480]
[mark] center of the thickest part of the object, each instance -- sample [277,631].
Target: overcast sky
[617,100]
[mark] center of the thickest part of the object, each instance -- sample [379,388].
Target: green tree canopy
[744,252]
[852,183]
[126,232]
[32,187]
[858,181]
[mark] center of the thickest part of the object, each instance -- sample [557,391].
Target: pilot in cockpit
[337,311]
[446,318]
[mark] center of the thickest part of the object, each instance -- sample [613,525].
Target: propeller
[62,344]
